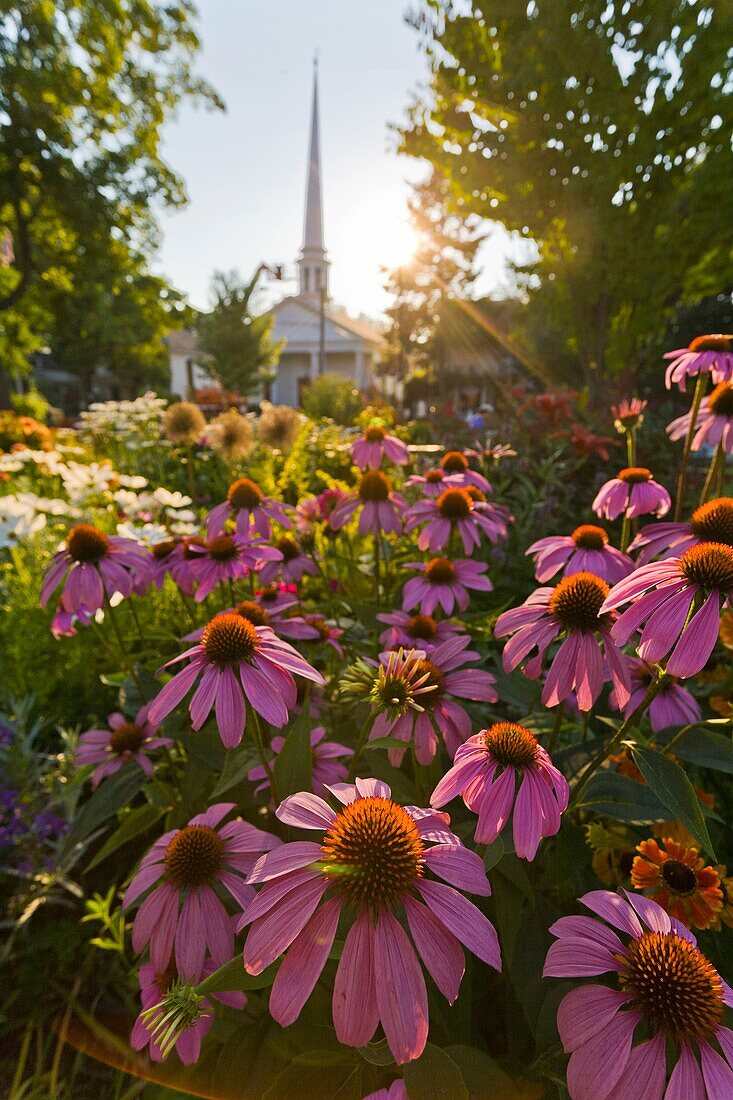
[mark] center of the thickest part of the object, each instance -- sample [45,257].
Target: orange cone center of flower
[86,543]
[709,564]
[229,639]
[720,401]
[434,477]
[716,341]
[455,504]
[244,493]
[288,548]
[253,613]
[194,856]
[577,600]
[713,522]
[674,985]
[475,494]
[589,537]
[453,462]
[680,878]
[270,593]
[374,487]
[635,475]
[440,571]
[127,738]
[222,548]
[163,549]
[373,853]
[422,626]
[320,624]
[374,434]
[511,745]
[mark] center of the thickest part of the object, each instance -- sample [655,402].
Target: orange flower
[726,886]
[677,879]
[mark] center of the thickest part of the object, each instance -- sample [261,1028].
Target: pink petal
[458,866]
[355,1012]
[306,811]
[686,1081]
[289,857]
[402,998]
[595,1067]
[464,920]
[698,639]
[230,709]
[438,948]
[717,1074]
[190,938]
[645,1074]
[586,1011]
[303,964]
[272,934]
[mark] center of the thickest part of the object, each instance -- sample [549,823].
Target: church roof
[297,330]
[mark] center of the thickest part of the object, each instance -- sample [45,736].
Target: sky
[245,169]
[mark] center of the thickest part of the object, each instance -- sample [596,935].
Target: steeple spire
[313,263]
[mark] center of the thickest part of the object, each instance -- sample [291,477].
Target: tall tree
[85,88]
[442,268]
[236,343]
[600,131]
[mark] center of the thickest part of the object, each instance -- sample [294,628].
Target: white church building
[320,339]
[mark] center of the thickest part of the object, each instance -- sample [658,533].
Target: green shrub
[334,397]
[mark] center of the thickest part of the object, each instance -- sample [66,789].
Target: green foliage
[236,344]
[332,397]
[601,136]
[671,785]
[102,910]
[32,404]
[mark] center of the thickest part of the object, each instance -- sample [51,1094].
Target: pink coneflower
[325,761]
[122,742]
[161,556]
[182,562]
[664,983]
[573,608]
[673,706]
[433,482]
[663,595]
[237,663]
[455,465]
[711,354]
[381,508]
[277,597]
[227,558]
[416,631]
[92,564]
[628,414]
[373,861]
[153,988]
[250,508]
[315,627]
[369,451]
[711,522]
[444,583]
[587,550]
[283,623]
[446,680]
[292,564]
[501,768]
[184,910]
[633,492]
[714,421]
[456,509]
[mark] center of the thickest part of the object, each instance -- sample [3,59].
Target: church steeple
[313,263]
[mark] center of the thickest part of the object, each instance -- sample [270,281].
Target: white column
[314,364]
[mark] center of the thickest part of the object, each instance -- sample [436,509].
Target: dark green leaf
[707,749]
[670,783]
[111,795]
[136,822]
[293,765]
[434,1076]
[609,794]
[237,764]
[232,976]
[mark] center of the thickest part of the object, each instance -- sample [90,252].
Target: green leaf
[386,743]
[434,1076]
[111,795]
[293,766]
[377,1054]
[670,783]
[329,1075]
[136,822]
[236,766]
[707,749]
[609,794]
[232,977]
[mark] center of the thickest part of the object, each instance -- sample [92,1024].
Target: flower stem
[377,569]
[613,743]
[126,662]
[625,533]
[260,746]
[716,462]
[631,446]
[700,386]
[190,472]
